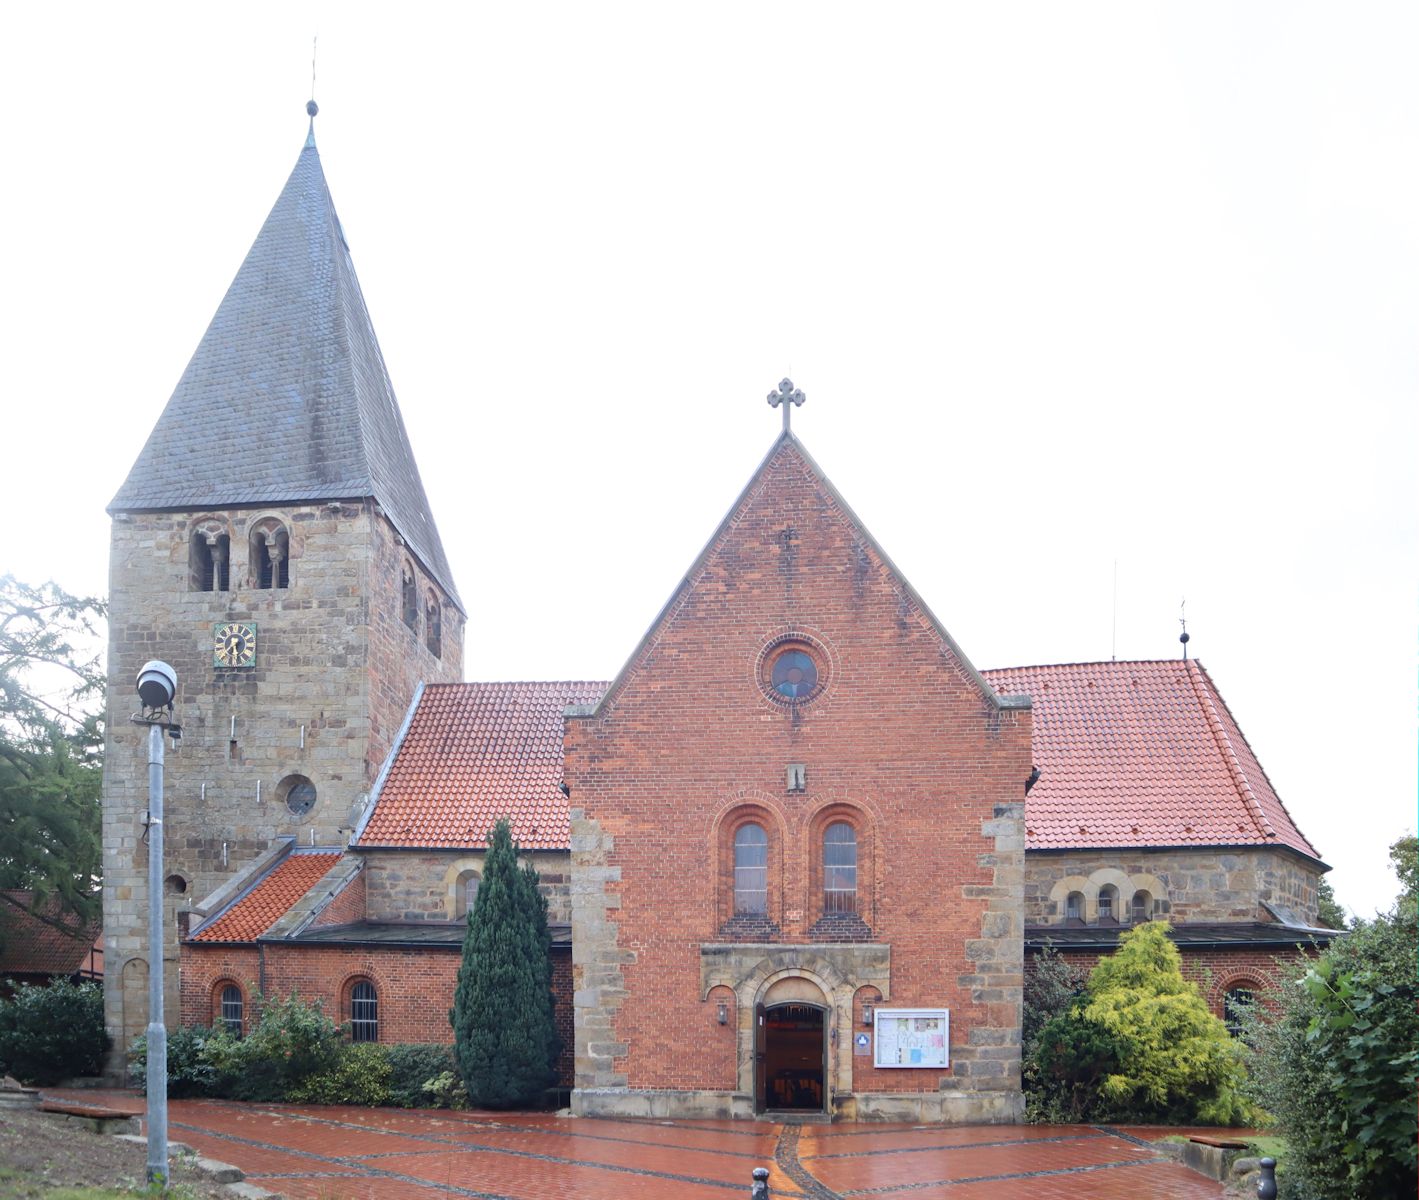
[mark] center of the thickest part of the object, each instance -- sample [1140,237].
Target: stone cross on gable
[788,396]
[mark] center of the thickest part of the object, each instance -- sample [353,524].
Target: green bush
[1177,1062]
[1336,1061]
[195,1056]
[410,1067]
[1139,1043]
[1064,1073]
[292,1041]
[359,1075]
[446,1090]
[52,1033]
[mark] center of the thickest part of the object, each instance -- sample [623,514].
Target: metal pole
[157,1031]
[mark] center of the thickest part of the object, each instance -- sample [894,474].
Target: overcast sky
[1067,286]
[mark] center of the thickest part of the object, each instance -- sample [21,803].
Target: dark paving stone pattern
[310,1152]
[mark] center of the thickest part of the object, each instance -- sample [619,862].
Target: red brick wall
[415,986]
[902,739]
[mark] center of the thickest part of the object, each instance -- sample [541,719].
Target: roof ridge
[1201,684]
[1119,662]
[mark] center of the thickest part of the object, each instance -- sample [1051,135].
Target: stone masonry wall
[305,708]
[900,742]
[421,885]
[1200,885]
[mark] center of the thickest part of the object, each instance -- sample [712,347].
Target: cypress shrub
[504,1039]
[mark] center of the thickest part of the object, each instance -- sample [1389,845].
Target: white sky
[1065,285]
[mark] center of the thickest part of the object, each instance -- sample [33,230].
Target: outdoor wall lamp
[723,1014]
[867,1012]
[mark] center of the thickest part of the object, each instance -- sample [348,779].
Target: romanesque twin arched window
[268,564]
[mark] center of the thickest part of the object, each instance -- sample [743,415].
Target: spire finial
[1184,637]
[311,107]
[788,396]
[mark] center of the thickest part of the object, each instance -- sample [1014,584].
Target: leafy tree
[51,743]
[504,1039]
[1176,1061]
[1337,1061]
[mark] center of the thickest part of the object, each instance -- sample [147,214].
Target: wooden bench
[96,1116]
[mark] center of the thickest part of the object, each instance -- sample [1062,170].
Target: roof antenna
[1184,637]
[1113,642]
[312,107]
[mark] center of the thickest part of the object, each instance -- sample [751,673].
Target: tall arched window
[409,597]
[1235,1005]
[751,869]
[1108,903]
[364,1012]
[1142,908]
[433,625]
[840,868]
[1074,907]
[231,1008]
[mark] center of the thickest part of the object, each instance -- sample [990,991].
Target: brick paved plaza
[316,1153]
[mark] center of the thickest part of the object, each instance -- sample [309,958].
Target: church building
[797,854]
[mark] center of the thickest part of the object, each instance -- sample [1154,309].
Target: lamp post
[157,685]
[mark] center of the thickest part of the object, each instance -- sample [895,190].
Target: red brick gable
[262,905]
[1142,754]
[473,753]
[787,458]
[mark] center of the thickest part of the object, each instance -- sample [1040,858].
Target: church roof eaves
[788,438]
[287,397]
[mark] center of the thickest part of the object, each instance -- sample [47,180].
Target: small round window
[299,794]
[794,675]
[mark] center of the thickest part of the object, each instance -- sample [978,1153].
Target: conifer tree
[504,1037]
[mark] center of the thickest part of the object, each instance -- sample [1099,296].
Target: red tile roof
[475,752]
[1142,754]
[261,906]
[33,946]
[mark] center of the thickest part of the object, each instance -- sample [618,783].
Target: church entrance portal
[790,1058]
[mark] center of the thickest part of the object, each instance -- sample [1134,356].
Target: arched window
[209,560]
[1142,907]
[1074,907]
[840,868]
[433,625]
[467,893]
[1234,1008]
[364,1012]
[270,555]
[751,869]
[230,1008]
[409,598]
[1108,904]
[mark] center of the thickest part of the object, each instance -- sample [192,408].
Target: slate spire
[287,398]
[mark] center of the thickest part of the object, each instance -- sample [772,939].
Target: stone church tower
[272,542]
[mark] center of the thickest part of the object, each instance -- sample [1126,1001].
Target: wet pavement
[325,1153]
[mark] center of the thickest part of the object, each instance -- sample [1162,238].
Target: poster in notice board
[912,1037]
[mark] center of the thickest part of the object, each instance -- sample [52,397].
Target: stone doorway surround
[762,973]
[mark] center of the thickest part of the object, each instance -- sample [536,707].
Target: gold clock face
[234,644]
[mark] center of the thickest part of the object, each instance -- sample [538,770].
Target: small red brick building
[796,853]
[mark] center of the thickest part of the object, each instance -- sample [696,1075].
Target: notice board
[912,1037]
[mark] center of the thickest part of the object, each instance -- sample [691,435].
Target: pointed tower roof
[287,397]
